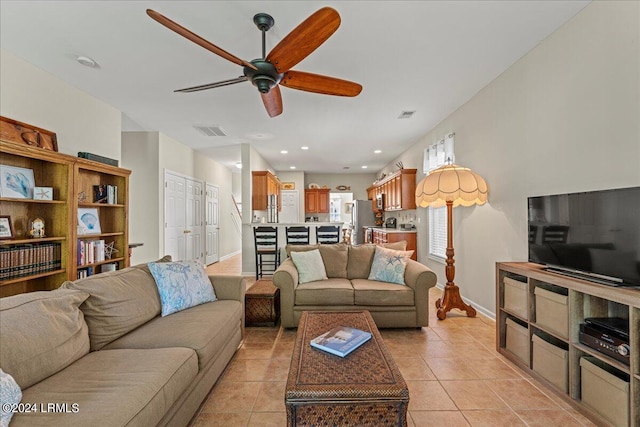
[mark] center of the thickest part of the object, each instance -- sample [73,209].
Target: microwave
[380,202]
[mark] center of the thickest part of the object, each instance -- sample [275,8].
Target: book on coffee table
[341,340]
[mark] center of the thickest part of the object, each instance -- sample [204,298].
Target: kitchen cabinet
[398,188]
[380,235]
[316,200]
[264,184]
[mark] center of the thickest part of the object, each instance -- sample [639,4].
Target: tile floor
[454,374]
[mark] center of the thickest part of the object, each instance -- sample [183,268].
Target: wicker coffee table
[363,389]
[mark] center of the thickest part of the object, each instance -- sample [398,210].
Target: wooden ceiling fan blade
[173,26]
[213,85]
[273,101]
[320,84]
[304,39]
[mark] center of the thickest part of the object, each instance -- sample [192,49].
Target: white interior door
[289,212]
[174,202]
[212,224]
[194,223]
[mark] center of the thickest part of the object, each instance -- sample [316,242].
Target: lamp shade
[451,183]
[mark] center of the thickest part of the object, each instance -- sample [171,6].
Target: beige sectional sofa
[99,349]
[348,288]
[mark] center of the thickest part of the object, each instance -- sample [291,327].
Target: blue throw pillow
[309,265]
[389,265]
[181,285]
[10,395]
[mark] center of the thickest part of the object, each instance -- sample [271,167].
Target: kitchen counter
[295,224]
[282,238]
[393,230]
[379,235]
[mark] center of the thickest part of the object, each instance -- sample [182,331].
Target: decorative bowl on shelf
[313,186]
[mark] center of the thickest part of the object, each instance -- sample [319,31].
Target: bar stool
[328,234]
[297,235]
[266,248]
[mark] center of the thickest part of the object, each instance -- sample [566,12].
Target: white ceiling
[427,56]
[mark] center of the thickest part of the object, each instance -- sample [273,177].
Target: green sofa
[348,288]
[99,348]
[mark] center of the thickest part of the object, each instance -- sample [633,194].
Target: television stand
[520,330]
[577,275]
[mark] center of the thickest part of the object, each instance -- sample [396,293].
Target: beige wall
[564,118]
[150,154]
[140,152]
[80,121]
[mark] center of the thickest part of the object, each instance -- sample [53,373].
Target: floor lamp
[451,186]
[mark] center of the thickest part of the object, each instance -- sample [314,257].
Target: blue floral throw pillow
[389,265]
[10,396]
[181,285]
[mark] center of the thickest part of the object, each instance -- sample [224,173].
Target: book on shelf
[90,251]
[29,259]
[105,194]
[341,340]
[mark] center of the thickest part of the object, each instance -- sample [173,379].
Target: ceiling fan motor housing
[265,77]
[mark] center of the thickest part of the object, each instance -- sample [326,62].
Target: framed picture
[288,185]
[88,221]
[6,232]
[43,193]
[16,183]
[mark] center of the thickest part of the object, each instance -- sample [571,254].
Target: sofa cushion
[181,285]
[309,265]
[325,292]
[299,248]
[359,262]
[10,396]
[120,301]
[204,328]
[389,265]
[371,292]
[335,258]
[114,387]
[41,333]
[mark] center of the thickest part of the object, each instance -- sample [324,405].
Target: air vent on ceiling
[406,114]
[211,130]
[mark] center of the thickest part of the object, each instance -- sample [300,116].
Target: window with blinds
[435,156]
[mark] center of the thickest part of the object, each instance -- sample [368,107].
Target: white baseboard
[232,254]
[478,307]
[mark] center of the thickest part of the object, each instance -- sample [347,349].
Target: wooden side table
[262,304]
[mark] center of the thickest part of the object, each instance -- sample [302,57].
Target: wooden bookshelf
[67,176]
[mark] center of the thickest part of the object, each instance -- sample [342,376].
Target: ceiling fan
[274,69]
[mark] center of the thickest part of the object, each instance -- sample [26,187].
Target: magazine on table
[341,340]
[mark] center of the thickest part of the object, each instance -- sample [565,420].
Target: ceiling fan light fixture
[264,83]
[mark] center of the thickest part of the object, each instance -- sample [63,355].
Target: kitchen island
[282,238]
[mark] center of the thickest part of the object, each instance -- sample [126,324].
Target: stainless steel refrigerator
[361,216]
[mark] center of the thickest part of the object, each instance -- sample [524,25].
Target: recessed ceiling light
[87,62]
[304,148]
[283,151]
[292,167]
[239,165]
[259,135]
[377,151]
[364,167]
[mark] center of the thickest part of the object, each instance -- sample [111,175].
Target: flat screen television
[593,235]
